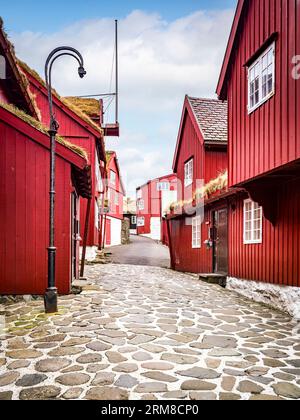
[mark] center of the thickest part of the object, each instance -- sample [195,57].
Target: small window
[141,221]
[253,217]
[188,173]
[96,215]
[133,220]
[261,79]
[116,201]
[139,194]
[163,186]
[196,232]
[113,177]
[141,204]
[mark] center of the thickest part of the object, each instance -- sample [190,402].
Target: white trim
[188,172]
[250,210]
[163,186]
[196,232]
[140,222]
[259,62]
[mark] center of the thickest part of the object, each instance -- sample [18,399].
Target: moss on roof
[108,154]
[39,126]
[66,101]
[218,184]
[90,106]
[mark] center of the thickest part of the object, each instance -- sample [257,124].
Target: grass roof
[66,101]
[218,184]
[39,126]
[90,106]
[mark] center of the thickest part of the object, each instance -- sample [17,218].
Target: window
[99,181]
[252,223]
[113,177]
[261,79]
[96,215]
[139,194]
[140,221]
[141,204]
[196,232]
[133,220]
[116,198]
[163,186]
[188,173]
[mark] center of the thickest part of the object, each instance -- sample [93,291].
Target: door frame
[215,212]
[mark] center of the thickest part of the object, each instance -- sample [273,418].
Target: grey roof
[211,115]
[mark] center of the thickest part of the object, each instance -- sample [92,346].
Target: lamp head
[81,72]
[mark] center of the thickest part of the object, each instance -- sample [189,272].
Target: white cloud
[159,63]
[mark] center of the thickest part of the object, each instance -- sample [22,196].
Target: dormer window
[261,79]
[188,172]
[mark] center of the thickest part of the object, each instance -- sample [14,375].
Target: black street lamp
[50,297]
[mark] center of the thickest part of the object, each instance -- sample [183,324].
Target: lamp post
[50,298]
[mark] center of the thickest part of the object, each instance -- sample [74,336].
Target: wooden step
[212,278]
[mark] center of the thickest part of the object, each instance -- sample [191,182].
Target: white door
[155,228]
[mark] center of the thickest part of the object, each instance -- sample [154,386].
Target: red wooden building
[24,191]
[115,197]
[153,201]
[80,122]
[259,80]
[198,223]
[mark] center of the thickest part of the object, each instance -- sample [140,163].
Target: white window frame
[133,220]
[97,212]
[116,198]
[139,194]
[253,207]
[99,180]
[140,221]
[141,204]
[163,186]
[196,232]
[259,63]
[113,177]
[188,172]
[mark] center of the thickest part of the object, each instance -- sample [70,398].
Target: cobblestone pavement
[149,333]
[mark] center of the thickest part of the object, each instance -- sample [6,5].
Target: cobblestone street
[149,333]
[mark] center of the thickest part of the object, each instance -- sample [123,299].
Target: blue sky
[167,49]
[34,15]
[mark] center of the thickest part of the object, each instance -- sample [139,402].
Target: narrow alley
[141,251]
[140,332]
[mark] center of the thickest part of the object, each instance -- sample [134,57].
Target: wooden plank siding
[277,259]
[24,214]
[268,137]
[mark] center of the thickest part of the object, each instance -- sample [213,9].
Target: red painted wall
[146,213]
[277,259]
[117,210]
[24,198]
[208,163]
[272,131]
[186,258]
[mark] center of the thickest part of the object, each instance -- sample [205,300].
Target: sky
[167,49]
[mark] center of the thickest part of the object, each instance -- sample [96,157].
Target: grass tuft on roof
[90,106]
[68,103]
[39,126]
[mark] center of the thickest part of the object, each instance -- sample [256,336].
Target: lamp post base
[50,301]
